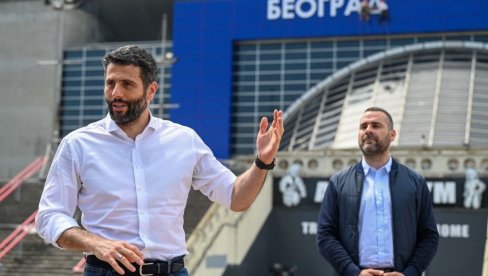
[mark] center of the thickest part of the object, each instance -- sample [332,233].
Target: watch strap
[263,166]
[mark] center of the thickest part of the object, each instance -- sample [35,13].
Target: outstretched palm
[268,139]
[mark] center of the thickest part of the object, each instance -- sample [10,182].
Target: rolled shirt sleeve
[59,197]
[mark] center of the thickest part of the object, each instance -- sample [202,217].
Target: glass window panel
[380,43]
[370,52]
[342,64]
[94,82]
[94,92]
[348,54]
[67,83]
[73,54]
[94,73]
[266,57]
[270,67]
[294,87]
[317,55]
[70,122]
[401,41]
[244,88]
[267,109]
[295,66]
[269,87]
[245,78]
[71,92]
[459,38]
[87,121]
[321,65]
[347,44]
[92,102]
[269,98]
[243,119]
[240,109]
[95,53]
[482,38]
[319,76]
[71,66]
[248,98]
[73,112]
[244,67]
[292,98]
[70,103]
[427,39]
[291,56]
[268,47]
[295,46]
[243,140]
[93,112]
[94,63]
[295,76]
[321,45]
[243,48]
[269,77]
[67,74]
[246,57]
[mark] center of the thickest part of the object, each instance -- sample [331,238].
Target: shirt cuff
[411,271]
[61,228]
[352,270]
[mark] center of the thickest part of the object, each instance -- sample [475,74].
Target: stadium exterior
[234,61]
[315,59]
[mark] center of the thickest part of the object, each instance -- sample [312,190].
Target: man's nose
[116,92]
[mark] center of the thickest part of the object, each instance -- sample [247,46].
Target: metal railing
[23,175]
[17,235]
[78,268]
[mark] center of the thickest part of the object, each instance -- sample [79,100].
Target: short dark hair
[379,109]
[133,55]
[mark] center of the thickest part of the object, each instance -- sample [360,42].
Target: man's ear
[151,90]
[393,135]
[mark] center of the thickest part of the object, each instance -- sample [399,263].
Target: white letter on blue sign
[352,6]
[334,6]
[274,11]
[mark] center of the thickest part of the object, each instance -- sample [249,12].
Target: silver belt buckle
[140,269]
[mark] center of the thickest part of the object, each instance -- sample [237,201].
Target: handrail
[78,268]
[17,235]
[24,174]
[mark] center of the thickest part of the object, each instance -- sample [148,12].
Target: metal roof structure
[436,92]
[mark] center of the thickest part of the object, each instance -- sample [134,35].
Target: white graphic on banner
[292,187]
[473,189]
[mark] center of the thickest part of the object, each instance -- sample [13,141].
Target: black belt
[150,266]
[386,269]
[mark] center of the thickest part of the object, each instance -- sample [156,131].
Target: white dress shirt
[375,232]
[135,191]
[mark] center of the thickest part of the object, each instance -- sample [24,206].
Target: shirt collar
[111,126]
[367,167]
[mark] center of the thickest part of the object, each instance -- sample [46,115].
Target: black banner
[447,192]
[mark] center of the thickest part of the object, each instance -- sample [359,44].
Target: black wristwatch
[260,164]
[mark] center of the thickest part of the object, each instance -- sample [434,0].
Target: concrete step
[34,257]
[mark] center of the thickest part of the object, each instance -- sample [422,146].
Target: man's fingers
[123,260]
[263,125]
[134,254]
[116,266]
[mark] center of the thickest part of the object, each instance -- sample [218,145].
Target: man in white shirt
[130,174]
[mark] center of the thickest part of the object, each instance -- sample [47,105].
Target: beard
[374,146]
[134,110]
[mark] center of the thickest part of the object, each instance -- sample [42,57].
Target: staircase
[34,257]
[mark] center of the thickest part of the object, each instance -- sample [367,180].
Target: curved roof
[436,92]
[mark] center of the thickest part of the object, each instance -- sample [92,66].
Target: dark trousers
[92,270]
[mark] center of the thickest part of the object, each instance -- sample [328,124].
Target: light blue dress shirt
[376,239]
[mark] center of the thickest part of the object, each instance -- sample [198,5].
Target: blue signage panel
[204,32]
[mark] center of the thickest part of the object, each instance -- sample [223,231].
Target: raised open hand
[268,139]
